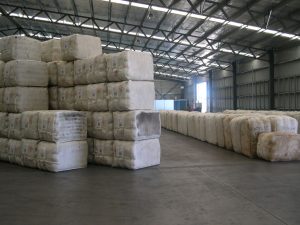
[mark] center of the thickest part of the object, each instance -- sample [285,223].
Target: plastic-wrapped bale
[14,151]
[65,74]
[53,98]
[4,149]
[14,126]
[99,74]
[29,152]
[52,68]
[279,146]
[3,107]
[66,98]
[249,128]
[56,157]
[220,129]
[79,46]
[2,64]
[283,123]
[29,124]
[81,97]
[131,95]
[28,73]
[91,152]
[51,50]
[4,124]
[18,47]
[211,132]
[129,65]
[103,125]
[20,99]
[191,124]
[136,125]
[97,97]
[62,126]
[103,152]
[227,130]
[136,154]
[183,123]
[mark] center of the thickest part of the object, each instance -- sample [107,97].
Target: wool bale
[14,126]
[89,117]
[20,99]
[227,130]
[200,126]
[56,157]
[29,152]
[129,65]
[51,50]
[66,98]
[81,97]
[174,119]
[136,125]
[4,124]
[136,154]
[220,129]
[279,146]
[65,74]
[211,132]
[52,68]
[2,65]
[4,149]
[183,122]
[103,152]
[99,74]
[91,152]
[78,46]
[97,97]
[103,125]
[83,69]
[14,151]
[191,124]
[62,126]
[18,47]
[53,98]
[29,124]
[131,95]
[3,107]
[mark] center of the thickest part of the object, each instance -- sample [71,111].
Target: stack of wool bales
[23,87]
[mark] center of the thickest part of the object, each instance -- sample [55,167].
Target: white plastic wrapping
[56,157]
[129,65]
[4,124]
[14,151]
[65,74]
[20,99]
[136,154]
[103,152]
[4,149]
[29,152]
[53,98]
[279,146]
[79,46]
[136,125]
[28,73]
[103,125]
[66,98]
[97,97]
[131,95]
[29,124]
[18,47]
[62,126]
[51,50]
[14,126]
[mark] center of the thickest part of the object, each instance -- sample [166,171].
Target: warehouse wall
[166,89]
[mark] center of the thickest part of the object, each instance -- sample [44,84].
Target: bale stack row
[234,131]
[116,92]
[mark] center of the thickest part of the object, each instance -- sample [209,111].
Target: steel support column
[210,91]
[234,86]
[271,81]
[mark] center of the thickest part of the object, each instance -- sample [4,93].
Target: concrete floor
[196,183]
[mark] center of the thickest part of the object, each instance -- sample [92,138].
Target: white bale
[136,125]
[62,126]
[211,132]
[103,125]
[97,97]
[83,69]
[66,98]
[78,46]
[183,122]
[56,157]
[29,152]
[4,149]
[295,115]
[136,154]
[14,126]
[20,99]
[18,47]
[53,98]
[4,124]
[227,130]
[200,126]
[28,73]
[162,114]
[99,74]
[29,124]
[3,107]
[91,152]
[2,65]
[14,151]
[169,120]
[52,68]
[103,152]
[81,98]
[191,124]
[131,95]
[283,123]
[65,74]
[235,131]
[220,129]
[129,65]
[51,50]
[174,121]
[279,146]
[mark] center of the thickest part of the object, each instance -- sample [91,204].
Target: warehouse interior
[217,58]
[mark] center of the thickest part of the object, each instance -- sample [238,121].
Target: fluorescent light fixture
[160,9]
[217,20]
[235,24]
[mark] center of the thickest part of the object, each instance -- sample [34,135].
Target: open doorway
[202,95]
